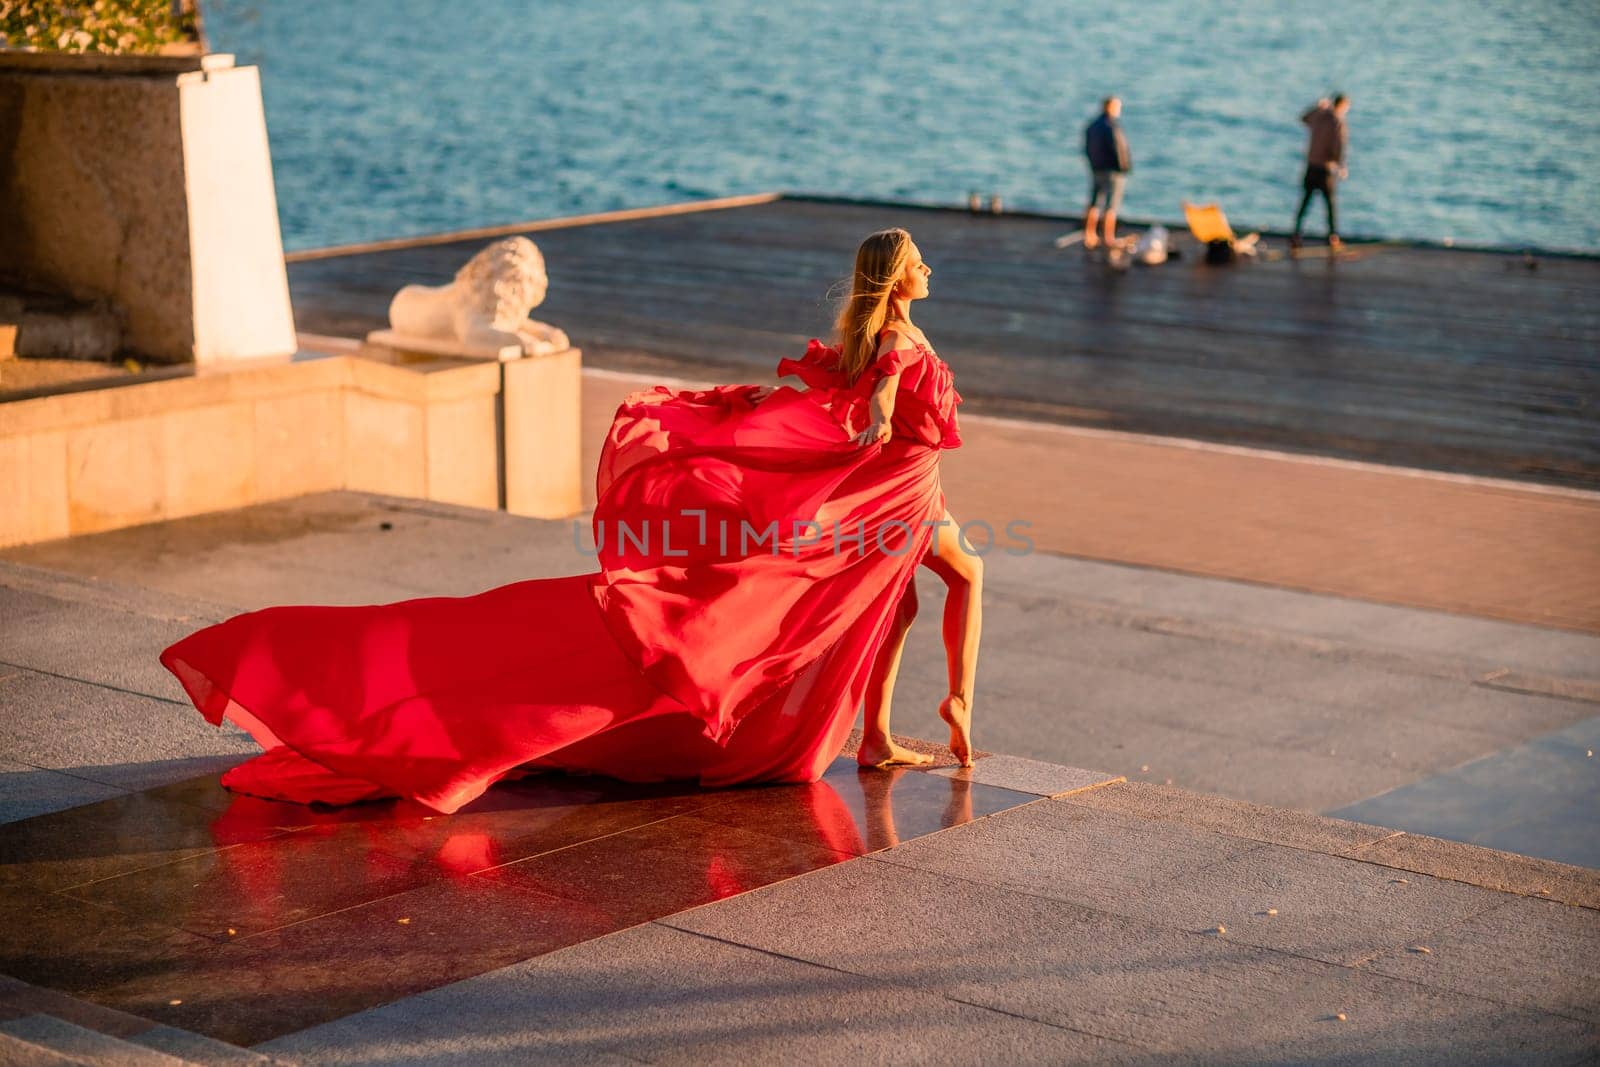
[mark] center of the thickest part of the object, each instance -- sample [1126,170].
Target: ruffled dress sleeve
[925,410]
[818,368]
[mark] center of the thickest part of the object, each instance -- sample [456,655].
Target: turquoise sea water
[1472,120]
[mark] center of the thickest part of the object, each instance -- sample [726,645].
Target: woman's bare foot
[880,753]
[958,713]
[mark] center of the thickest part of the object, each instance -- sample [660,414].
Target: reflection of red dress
[727,636]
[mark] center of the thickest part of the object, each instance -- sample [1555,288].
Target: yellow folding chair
[1207,223]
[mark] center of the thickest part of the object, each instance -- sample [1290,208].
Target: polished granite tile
[517,820]
[536,790]
[314,863]
[664,867]
[313,972]
[66,945]
[861,811]
[130,902]
[1537,799]
[523,817]
[346,857]
[110,838]
[208,794]
[260,885]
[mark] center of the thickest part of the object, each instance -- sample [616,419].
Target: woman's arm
[880,407]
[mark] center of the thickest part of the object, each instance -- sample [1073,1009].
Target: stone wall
[107,458]
[93,200]
[150,190]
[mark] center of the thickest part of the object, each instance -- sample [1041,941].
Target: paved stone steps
[15,1052]
[42,1026]
[197,1048]
[45,1041]
[54,1040]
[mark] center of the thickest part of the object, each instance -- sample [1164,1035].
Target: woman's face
[914,281]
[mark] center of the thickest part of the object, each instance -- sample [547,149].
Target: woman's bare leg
[877,748]
[962,571]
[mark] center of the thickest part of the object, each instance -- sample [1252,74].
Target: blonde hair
[880,263]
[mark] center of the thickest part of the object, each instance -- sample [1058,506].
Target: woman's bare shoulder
[901,334]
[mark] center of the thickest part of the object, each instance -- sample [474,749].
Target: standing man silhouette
[1324,162]
[1109,164]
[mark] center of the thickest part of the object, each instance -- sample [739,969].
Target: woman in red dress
[756,548]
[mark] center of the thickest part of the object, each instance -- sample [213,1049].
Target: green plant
[120,26]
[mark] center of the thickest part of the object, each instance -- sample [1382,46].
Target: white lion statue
[487,304]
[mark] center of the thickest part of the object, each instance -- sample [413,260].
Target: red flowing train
[751,557]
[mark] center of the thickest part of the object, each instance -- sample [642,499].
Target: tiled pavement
[1541,798]
[1123,924]
[1068,930]
[903,917]
[246,919]
[1267,695]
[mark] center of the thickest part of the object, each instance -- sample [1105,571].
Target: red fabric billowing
[729,644]
[818,368]
[925,402]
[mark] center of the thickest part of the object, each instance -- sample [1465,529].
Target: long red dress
[727,636]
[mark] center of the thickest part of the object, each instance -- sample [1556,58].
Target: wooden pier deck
[1455,360]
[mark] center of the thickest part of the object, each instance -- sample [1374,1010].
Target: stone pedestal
[538,424]
[395,341]
[423,428]
[541,397]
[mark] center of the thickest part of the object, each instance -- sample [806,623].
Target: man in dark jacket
[1109,163]
[1324,162]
